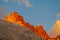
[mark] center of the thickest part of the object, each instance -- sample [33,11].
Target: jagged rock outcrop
[15,18]
[10,31]
[41,32]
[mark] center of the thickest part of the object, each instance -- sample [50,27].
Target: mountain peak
[14,13]
[15,18]
[55,30]
[58,22]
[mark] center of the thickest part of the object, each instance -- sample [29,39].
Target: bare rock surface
[10,31]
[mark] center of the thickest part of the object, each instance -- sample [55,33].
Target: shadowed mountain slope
[10,31]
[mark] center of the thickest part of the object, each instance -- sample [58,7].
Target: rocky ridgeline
[15,18]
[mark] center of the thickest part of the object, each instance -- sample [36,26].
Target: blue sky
[36,12]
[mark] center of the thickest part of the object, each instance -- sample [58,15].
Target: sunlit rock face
[41,32]
[15,18]
[55,31]
[10,31]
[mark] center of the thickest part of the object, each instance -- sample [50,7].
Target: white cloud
[26,2]
[58,15]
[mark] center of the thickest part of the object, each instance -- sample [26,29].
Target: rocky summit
[15,18]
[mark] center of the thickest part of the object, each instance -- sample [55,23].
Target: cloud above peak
[19,2]
[26,2]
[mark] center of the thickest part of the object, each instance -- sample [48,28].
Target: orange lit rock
[41,32]
[15,18]
[29,26]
